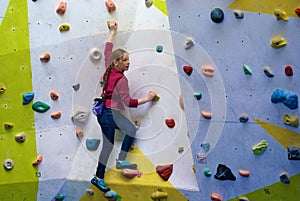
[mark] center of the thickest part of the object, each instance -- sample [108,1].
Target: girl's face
[123,62]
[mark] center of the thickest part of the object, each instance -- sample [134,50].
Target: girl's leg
[108,126]
[129,129]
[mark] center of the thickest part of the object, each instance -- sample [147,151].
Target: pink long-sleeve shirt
[116,91]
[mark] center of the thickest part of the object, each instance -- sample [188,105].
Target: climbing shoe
[99,183]
[112,196]
[125,164]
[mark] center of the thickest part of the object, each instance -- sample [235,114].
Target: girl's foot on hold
[99,183]
[125,164]
[112,196]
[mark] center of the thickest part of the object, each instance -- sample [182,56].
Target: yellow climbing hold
[64,27]
[2,88]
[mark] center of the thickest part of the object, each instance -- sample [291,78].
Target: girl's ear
[116,62]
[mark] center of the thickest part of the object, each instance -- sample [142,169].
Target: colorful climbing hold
[170,123]
[289,99]
[247,70]
[159,48]
[293,153]
[64,27]
[188,70]
[89,191]
[156,98]
[81,115]
[45,57]
[280,14]
[180,100]
[208,71]
[130,173]
[164,171]
[197,95]
[40,106]
[27,97]
[76,87]
[8,164]
[243,199]
[59,197]
[205,146]
[56,115]
[244,118]
[189,43]
[297,11]
[148,3]
[224,173]
[278,42]
[95,54]
[291,120]
[244,173]
[2,88]
[92,144]
[284,178]
[217,15]
[159,195]
[20,137]
[54,95]
[8,125]
[110,5]
[180,149]
[215,197]
[206,115]
[207,172]
[288,70]
[79,132]
[61,9]
[268,72]
[238,14]
[112,196]
[260,148]
[38,160]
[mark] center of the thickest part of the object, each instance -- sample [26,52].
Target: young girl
[116,92]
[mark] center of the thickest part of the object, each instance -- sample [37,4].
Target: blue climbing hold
[92,144]
[27,97]
[289,99]
[217,15]
[159,48]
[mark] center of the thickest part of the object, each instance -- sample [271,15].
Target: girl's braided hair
[115,56]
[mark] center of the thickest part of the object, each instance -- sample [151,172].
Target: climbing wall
[235,158]
[229,84]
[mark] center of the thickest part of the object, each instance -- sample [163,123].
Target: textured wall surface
[28,29]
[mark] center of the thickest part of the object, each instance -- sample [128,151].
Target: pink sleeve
[123,90]
[107,52]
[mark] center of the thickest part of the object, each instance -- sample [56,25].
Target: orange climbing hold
[111,6]
[188,70]
[54,95]
[79,132]
[45,57]
[206,115]
[170,123]
[61,9]
[208,71]
[164,171]
[56,115]
[38,160]
[215,197]
[244,173]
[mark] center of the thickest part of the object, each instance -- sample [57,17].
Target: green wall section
[20,183]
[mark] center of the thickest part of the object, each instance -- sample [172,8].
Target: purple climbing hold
[27,97]
[224,173]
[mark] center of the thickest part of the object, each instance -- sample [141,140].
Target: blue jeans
[110,120]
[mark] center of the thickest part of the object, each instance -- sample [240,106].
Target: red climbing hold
[188,70]
[288,71]
[54,95]
[297,11]
[38,160]
[56,115]
[164,171]
[170,123]
[61,9]
[111,6]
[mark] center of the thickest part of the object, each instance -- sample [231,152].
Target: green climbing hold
[59,197]
[247,70]
[260,148]
[197,95]
[40,107]
[207,172]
